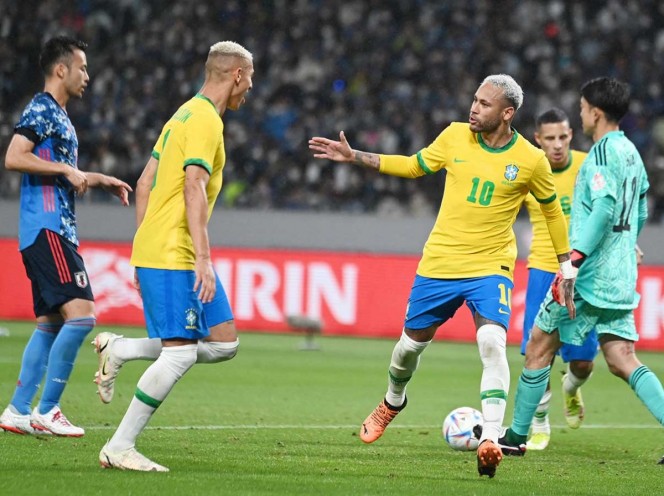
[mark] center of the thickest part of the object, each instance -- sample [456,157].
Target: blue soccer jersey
[47,202]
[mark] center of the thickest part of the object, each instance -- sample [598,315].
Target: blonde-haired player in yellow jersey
[471,250]
[554,135]
[186,309]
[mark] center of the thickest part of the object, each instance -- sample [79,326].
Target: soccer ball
[458,428]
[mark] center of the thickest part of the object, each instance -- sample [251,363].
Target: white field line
[332,427]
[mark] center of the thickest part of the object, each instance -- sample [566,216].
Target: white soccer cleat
[54,422]
[15,422]
[109,365]
[128,459]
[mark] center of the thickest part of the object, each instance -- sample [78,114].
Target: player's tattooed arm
[371,160]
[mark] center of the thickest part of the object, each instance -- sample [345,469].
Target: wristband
[567,270]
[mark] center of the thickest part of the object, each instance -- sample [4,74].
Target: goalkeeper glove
[568,270]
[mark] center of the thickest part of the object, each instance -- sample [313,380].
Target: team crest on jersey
[191,316]
[598,182]
[81,279]
[511,172]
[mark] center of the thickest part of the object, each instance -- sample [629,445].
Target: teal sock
[532,386]
[649,389]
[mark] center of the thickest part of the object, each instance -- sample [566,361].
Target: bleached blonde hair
[232,49]
[511,89]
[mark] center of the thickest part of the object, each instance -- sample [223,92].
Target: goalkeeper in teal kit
[608,213]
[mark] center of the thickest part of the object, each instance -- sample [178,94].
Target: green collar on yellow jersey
[569,164]
[199,95]
[503,148]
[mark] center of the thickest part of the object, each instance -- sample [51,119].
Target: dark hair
[609,95]
[57,50]
[551,116]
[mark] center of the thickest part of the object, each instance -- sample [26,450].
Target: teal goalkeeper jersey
[614,168]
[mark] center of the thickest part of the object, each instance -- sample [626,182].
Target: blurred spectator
[398,70]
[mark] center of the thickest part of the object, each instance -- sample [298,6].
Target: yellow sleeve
[543,189]
[555,221]
[400,165]
[201,140]
[533,208]
[427,161]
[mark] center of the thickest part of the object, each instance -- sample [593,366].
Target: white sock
[405,359]
[491,341]
[541,417]
[216,351]
[127,349]
[572,383]
[152,388]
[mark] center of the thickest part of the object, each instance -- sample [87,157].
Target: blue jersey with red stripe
[47,202]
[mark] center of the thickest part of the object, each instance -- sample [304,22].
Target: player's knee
[491,341]
[581,368]
[179,359]
[215,351]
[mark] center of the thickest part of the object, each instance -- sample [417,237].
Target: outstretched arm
[340,151]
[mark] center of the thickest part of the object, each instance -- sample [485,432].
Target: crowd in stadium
[392,75]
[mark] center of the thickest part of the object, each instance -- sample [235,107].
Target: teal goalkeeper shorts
[553,316]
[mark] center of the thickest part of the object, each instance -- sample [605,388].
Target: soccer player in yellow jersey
[554,135]
[186,309]
[471,250]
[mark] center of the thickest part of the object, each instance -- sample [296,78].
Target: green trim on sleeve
[546,200]
[199,162]
[423,164]
[155,154]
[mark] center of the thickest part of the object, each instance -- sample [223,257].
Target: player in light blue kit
[608,212]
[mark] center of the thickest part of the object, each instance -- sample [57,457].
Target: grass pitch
[276,420]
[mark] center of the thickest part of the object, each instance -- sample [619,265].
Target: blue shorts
[539,282]
[434,301]
[172,308]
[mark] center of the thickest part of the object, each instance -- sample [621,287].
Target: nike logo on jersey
[500,310]
[459,160]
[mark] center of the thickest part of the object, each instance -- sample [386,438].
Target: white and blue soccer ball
[458,428]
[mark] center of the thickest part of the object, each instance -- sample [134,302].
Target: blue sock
[649,389]
[61,360]
[33,366]
[532,385]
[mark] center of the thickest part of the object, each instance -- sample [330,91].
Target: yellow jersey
[542,256]
[484,190]
[192,136]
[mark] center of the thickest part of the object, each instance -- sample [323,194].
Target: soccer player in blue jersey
[470,254]
[45,149]
[608,212]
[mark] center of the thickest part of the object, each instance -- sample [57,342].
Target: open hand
[339,151]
